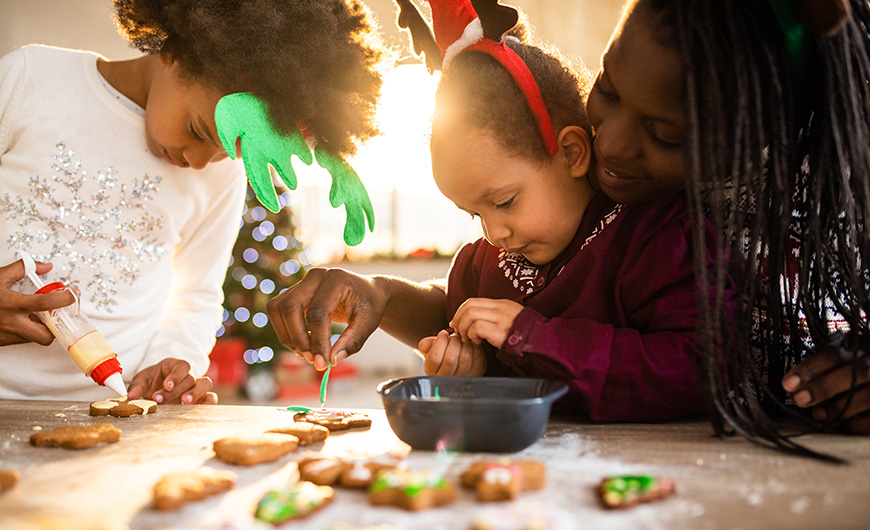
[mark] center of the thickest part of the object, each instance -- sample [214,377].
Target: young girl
[765,122]
[566,283]
[115,173]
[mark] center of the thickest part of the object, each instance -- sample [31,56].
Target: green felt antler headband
[243,116]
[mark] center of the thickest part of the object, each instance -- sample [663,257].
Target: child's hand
[822,381]
[479,319]
[448,354]
[16,324]
[170,381]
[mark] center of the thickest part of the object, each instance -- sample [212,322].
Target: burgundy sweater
[613,316]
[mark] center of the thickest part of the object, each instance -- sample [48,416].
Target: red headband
[458,28]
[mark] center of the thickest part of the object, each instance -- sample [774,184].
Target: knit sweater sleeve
[193,312]
[12,80]
[640,369]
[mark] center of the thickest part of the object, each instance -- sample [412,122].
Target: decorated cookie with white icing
[121,408]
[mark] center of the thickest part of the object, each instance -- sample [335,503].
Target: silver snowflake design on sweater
[72,212]
[521,272]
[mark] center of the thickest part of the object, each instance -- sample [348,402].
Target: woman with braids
[760,110]
[118,174]
[566,283]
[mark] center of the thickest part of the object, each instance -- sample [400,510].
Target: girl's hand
[485,319]
[17,322]
[448,354]
[302,315]
[170,381]
[823,382]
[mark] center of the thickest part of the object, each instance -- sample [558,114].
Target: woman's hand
[447,354]
[302,315]
[823,382]
[17,322]
[170,381]
[485,319]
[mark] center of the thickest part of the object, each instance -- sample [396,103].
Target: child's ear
[575,146]
[165,58]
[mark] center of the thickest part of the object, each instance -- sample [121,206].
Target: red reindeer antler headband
[458,27]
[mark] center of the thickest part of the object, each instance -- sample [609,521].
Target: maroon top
[613,316]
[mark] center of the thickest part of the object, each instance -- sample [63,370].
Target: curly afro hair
[317,63]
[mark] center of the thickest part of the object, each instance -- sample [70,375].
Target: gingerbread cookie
[176,489]
[335,420]
[76,436]
[411,490]
[504,479]
[256,449]
[629,490]
[293,502]
[8,479]
[307,433]
[354,474]
[121,408]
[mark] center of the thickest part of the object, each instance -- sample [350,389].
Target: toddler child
[114,172]
[566,283]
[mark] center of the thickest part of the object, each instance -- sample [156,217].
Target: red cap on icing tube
[50,287]
[106,368]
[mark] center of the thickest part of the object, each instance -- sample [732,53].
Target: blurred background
[417,230]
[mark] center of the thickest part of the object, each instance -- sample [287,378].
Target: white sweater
[147,243]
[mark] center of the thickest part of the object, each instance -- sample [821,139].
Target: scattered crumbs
[755,498]
[800,505]
[700,461]
[697,510]
[776,486]
[37,428]
[722,456]
[60,415]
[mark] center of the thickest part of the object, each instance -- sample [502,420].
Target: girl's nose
[200,157]
[495,232]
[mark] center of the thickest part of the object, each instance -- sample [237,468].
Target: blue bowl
[476,414]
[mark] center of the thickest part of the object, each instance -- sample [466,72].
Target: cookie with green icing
[625,491]
[293,502]
[412,490]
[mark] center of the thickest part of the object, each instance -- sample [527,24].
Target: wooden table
[721,484]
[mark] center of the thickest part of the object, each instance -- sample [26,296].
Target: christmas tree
[266,259]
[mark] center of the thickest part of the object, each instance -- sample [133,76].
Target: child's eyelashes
[193,132]
[505,204]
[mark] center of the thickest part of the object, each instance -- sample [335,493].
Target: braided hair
[312,63]
[779,161]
